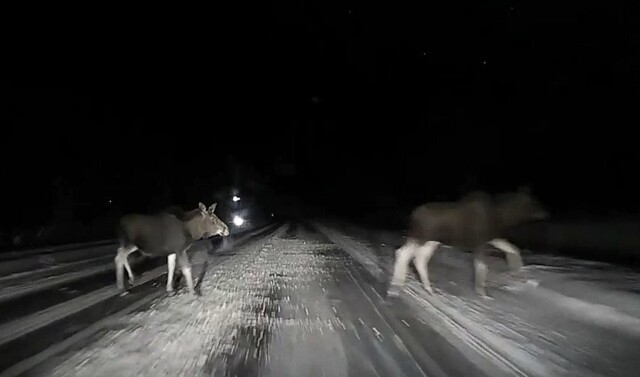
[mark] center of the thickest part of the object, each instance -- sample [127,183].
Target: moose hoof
[533,283]
[483,294]
[120,286]
[393,291]
[169,289]
[428,289]
[132,280]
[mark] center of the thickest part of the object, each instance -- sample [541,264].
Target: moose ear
[212,208]
[202,206]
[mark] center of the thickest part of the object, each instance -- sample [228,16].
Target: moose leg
[422,257]
[171,267]
[480,269]
[404,255]
[512,253]
[185,266]
[122,263]
[119,270]
[129,271]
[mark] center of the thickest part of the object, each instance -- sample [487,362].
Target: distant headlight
[238,221]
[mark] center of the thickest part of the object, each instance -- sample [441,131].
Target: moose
[168,234]
[471,223]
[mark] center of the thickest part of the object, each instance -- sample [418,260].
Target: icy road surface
[297,303]
[556,317]
[284,305]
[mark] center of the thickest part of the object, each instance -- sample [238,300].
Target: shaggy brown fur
[470,223]
[165,235]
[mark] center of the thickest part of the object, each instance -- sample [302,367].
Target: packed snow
[285,305]
[557,316]
[265,300]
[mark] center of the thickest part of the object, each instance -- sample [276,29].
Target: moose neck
[193,228]
[509,215]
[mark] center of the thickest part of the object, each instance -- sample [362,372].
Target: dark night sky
[365,98]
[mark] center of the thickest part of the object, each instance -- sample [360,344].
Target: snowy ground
[301,302]
[280,305]
[51,298]
[578,318]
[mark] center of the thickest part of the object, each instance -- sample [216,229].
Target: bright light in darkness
[238,221]
[235,198]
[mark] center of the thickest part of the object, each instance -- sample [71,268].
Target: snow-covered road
[280,306]
[303,302]
[577,318]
